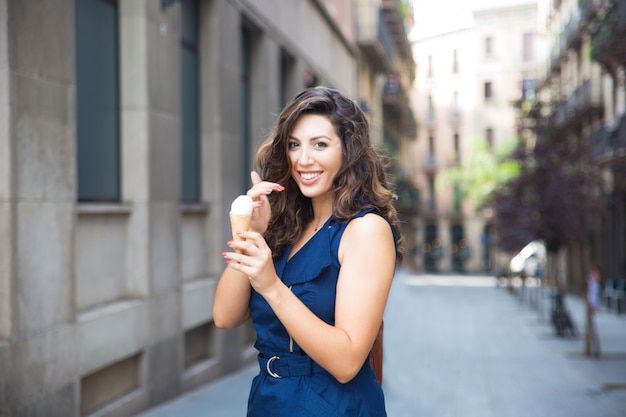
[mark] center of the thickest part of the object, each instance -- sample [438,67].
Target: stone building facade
[471,71]
[584,88]
[126,129]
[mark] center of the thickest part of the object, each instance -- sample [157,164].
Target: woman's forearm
[232,299]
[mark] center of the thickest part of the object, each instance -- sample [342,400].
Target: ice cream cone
[239,223]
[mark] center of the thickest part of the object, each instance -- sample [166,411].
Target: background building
[583,101]
[126,129]
[472,69]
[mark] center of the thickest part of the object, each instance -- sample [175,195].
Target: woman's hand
[255,262]
[262,211]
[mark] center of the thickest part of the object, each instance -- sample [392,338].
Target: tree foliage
[482,173]
[552,197]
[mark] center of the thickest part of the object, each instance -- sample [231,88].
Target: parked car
[530,260]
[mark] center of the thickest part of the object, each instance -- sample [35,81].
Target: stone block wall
[106,308]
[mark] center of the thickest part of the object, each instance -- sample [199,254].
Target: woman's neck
[322,209]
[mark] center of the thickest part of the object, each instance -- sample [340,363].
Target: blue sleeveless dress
[290,384]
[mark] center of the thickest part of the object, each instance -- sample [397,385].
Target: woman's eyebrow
[311,138]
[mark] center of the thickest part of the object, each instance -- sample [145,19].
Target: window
[528,89]
[455,61]
[488,46]
[456,107]
[97,100]
[247,37]
[431,146]
[190,120]
[488,91]
[457,147]
[430,66]
[489,138]
[431,109]
[432,201]
[528,50]
[287,70]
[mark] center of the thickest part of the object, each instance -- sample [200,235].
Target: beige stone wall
[106,309]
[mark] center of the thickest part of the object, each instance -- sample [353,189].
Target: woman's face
[315,152]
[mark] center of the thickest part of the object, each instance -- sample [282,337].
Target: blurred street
[463,346]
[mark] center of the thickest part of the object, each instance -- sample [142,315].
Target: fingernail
[229,243]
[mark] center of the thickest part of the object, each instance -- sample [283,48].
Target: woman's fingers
[261,188]
[255,177]
[264,188]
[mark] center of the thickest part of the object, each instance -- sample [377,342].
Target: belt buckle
[269,370]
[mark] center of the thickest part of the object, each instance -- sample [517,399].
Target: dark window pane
[190,121]
[97,100]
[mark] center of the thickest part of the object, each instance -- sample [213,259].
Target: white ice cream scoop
[241,216]
[242,205]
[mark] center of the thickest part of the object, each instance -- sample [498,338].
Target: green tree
[482,173]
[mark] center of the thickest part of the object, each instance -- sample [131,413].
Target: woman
[592,339]
[317,263]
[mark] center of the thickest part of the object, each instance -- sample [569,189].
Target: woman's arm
[367,256]
[232,297]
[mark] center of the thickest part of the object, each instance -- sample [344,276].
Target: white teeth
[309,175]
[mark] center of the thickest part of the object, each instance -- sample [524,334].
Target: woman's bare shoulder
[371,230]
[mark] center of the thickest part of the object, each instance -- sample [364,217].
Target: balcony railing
[392,93]
[584,99]
[589,8]
[609,38]
[598,144]
[619,143]
[572,31]
[374,36]
[607,146]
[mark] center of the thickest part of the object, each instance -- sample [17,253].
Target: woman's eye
[292,145]
[320,144]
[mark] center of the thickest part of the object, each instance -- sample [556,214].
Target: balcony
[393,95]
[608,42]
[608,147]
[374,36]
[589,8]
[584,101]
[572,32]
[381,34]
[397,30]
[396,106]
[408,196]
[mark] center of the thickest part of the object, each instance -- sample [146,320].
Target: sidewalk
[227,397]
[459,346]
[607,372]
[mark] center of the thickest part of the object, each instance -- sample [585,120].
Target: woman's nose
[305,156]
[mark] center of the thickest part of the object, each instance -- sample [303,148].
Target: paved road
[459,346]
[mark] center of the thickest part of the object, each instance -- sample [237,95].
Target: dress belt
[287,365]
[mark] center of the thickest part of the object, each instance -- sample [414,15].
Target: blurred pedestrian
[592,340]
[317,264]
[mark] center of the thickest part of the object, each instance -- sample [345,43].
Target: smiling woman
[316,306]
[316,158]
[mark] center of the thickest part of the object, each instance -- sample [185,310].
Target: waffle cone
[239,223]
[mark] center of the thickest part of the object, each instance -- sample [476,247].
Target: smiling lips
[309,176]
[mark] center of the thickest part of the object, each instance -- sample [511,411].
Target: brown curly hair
[360,183]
